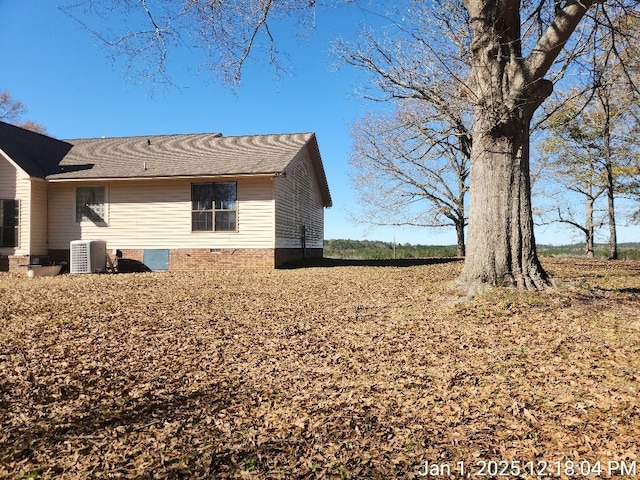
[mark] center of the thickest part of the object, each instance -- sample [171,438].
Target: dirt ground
[345,372]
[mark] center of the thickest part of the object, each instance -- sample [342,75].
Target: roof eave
[321,176]
[165,177]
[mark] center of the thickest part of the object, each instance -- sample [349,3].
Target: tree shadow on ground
[128,265]
[347,262]
[631,291]
[114,426]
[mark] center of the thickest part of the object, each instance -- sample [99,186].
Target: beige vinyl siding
[61,216]
[298,204]
[15,184]
[157,214]
[38,207]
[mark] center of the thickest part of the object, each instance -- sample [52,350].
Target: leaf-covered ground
[342,372]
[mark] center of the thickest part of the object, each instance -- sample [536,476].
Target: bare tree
[10,109]
[410,168]
[506,86]
[517,49]
[13,110]
[225,32]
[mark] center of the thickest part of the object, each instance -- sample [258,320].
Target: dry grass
[343,372]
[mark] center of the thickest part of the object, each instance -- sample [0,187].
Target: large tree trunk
[505,91]
[501,246]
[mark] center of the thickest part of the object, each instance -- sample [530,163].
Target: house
[191,201]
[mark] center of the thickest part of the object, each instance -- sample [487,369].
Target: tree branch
[555,37]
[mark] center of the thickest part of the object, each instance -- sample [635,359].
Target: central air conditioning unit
[88,256]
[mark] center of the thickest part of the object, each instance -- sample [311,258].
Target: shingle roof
[179,155]
[159,156]
[38,155]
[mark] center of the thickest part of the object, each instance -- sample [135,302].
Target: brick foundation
[191,259]
[213,259]
[209,259]
[13,263]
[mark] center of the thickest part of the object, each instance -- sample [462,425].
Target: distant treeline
[378,250]
[626,251]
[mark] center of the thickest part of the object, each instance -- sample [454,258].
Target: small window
[9,223]
[90,204]
[213,207]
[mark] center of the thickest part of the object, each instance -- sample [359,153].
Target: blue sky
[70,84]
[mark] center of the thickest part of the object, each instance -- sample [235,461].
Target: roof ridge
[123,137]
[215,134]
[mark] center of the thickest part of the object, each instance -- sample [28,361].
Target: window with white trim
[214,207]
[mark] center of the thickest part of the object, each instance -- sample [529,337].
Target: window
[8,223]
[213,207]
[90,204]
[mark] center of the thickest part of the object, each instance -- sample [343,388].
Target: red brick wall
[213,259]
[12,263]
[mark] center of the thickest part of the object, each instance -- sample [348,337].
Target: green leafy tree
[572,158]
[594,133]
[592,150]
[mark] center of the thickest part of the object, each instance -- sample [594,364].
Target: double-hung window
[9,223]
[90,204]
[214,207]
